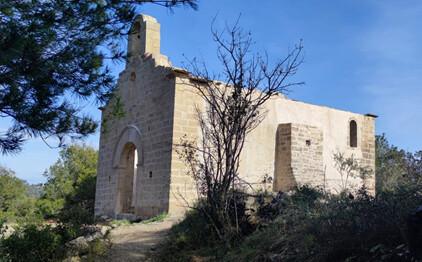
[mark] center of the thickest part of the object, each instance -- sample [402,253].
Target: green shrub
[49,208]
[76,215]
[334,228]
[69,192]
[192,235]
[157,218]
[269,207]
[15,203]
[96,251]
[34,243]
[309,226]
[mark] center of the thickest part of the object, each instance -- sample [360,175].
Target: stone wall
[368,149]
[294,144]
[258,157]
[146,96]
[183,191]
[148,107]
[145,36]
[298,157]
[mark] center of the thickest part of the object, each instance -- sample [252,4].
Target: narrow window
[132,76]
[353,128]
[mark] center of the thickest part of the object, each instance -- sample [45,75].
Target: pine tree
[53,52]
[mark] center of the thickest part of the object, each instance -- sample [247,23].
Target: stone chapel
[139,170]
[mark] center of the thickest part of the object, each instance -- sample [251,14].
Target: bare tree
[350,168]
[233,108]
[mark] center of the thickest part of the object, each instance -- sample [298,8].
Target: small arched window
[353,134]
[132,76]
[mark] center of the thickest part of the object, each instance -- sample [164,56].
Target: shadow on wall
[284,179]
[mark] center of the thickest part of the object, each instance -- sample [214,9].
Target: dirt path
[134,242]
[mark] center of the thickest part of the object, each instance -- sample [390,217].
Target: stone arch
[127,158]
[130,134]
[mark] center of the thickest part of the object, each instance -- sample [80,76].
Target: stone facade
[139,170]
[298,156]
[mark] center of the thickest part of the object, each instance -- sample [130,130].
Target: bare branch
[232,109]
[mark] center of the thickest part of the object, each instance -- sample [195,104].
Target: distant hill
[35,190]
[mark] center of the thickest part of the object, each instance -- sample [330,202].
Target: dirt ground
[134,242]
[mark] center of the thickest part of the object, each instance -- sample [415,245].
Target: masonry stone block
[140,171]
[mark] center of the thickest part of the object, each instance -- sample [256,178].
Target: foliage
[97,248]
[157,218]
[68,196]
[390,164]
[117,112]
[53,50]
[350,167]
[70,189]
[39,243]
[395,167]
[15,203]
[311,225]
[336,228]
[193,235]
[233,108]
[49,208]
[34,243]
[269,207]
[35,190]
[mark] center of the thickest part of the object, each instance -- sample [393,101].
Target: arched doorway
[127,165]
[126,191]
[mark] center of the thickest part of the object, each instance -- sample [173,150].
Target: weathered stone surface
[81,245]
[140,172]
[298,157]
[94,236]
[104,230]
[78,246]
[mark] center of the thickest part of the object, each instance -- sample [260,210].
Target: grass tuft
[157,218]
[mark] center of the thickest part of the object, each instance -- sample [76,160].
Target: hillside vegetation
[37,221]
[307,224]
[312,225]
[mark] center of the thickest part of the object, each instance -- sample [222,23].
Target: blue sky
[360,55]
